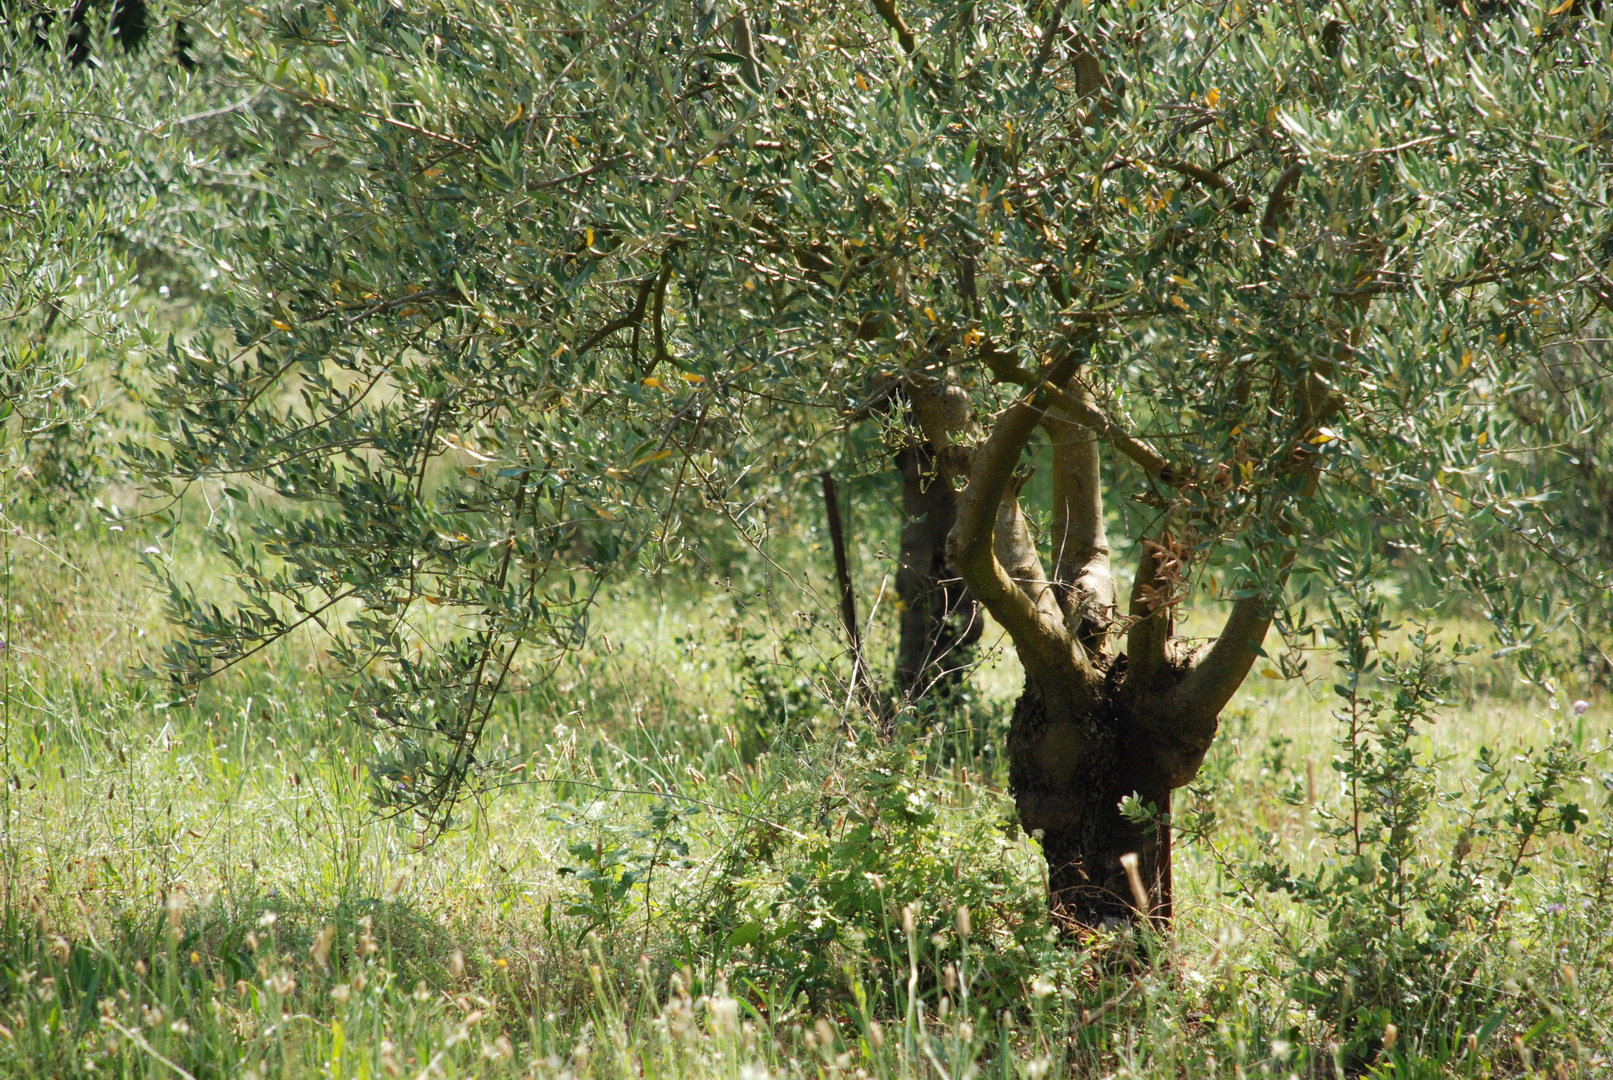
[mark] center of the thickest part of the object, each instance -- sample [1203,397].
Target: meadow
[698,862]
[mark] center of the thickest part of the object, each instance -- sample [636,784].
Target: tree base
[1070,773]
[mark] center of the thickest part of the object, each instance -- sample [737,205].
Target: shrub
[1405,963]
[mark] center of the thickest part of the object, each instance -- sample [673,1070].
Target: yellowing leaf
[1213,98]
[588,238]
[281,324]
[930,312]
[1179,302]
[1467,358]
[691,377]
[709,159]
[1561,8]
[652,381]
[659,455]
[1271,673]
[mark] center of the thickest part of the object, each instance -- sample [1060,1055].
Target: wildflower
[320,950]
[724,1012]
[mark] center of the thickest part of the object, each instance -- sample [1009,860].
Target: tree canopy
[540,288]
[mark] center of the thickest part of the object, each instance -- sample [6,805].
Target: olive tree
[545,288]
[69,197]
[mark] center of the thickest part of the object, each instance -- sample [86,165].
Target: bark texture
[1071,767]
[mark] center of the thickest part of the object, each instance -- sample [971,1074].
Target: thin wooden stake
[848,599]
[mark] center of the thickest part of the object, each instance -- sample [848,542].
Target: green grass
[207,890]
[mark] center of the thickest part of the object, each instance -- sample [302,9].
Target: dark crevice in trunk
[940,621]
[1070,769]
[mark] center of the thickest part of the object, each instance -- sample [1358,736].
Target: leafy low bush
[1406,962]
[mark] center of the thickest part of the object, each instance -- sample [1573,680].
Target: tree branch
[1218,671]
[1151,618]
[1041,641]
[1193,705]
[1277,203]
[1211,179]
[1015,548]
[1088,415]
[1084,585]
[893,19]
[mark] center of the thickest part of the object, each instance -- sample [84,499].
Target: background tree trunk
[940,621]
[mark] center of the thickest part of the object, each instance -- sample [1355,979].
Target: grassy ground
[693,870]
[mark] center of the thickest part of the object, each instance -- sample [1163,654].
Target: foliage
[618,860]
[104,190]
[783,693]
[125,821]
[876,864]
[1404,953]
[68,190]
[1561,407]
[539,293]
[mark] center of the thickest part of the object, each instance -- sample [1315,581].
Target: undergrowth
[696,862]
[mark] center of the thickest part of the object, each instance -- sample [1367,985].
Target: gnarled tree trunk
[1070,769]
[1096,723]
